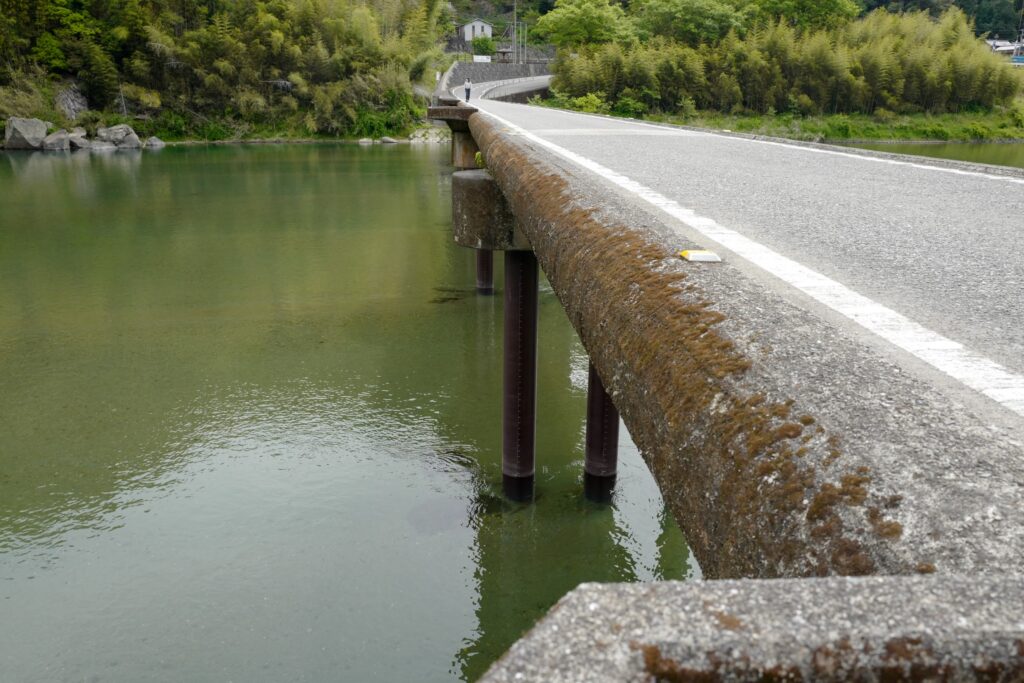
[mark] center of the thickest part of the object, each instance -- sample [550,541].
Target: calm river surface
[250,427]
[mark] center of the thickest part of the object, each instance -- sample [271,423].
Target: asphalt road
[941,245]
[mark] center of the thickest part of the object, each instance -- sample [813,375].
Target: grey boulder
[24,133]
[57,141]
[115,134]
[102,146]
[388,141]
[130,141]
[365,141]
[154,143]
[78,141]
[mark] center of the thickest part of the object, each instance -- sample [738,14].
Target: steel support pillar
[602,443]
[519,418]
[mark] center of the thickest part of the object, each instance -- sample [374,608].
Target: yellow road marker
[702,255]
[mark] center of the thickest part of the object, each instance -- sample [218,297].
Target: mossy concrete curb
[783,444]
[836,629]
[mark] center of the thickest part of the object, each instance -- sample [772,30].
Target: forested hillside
[217,68]
[214,69]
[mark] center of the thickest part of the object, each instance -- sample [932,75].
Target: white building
[475,29]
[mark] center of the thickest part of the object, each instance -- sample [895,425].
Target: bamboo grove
[882,63]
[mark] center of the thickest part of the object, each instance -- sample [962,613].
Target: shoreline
[248,141]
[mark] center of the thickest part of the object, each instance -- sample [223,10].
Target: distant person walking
[468,85]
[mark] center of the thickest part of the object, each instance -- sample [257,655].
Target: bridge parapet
[784,447]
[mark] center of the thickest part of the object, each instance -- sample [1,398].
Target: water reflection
[249,428]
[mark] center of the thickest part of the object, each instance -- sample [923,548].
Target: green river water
[996,154]
[250,427]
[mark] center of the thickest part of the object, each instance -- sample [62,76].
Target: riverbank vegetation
[1001,124]
[819,76]
[215,69]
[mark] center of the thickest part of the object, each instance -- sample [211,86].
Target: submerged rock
[365,141]
[57,142]
[388,141]
[24,133]
[101,146]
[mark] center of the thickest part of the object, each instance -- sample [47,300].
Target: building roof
[475,19]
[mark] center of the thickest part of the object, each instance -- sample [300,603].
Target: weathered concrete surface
[783,445]
[464,149]
[480,215]
[455,116]
[836,629]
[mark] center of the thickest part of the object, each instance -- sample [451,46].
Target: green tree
[582,22]
[688,21]
[995,17]
[97,73]
[483,45]
[808,14]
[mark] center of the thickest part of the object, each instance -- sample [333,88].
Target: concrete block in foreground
[917,628]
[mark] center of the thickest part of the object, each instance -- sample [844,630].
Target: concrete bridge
[841,396]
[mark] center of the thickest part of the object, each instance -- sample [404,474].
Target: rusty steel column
[519,417]
[484,271]
[602,444]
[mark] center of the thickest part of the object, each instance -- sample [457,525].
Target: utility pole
[515,34]
[524,43]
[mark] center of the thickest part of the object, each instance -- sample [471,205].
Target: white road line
[592,132]
[954,359]
[813,150]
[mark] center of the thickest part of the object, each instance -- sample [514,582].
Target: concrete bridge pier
[602,442]
[482,220]
[464,151]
